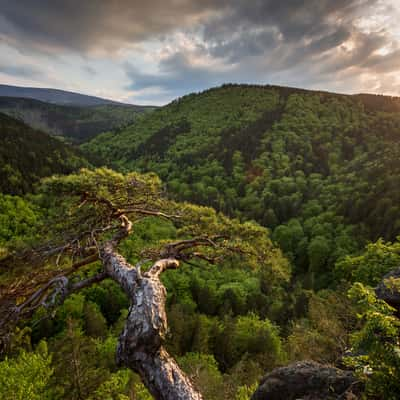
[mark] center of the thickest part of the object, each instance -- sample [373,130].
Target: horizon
[129,53]
[203,90]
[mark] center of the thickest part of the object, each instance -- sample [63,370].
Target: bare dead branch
[50,295]
[123,232]
[38,298]
[162,265]
[144,211]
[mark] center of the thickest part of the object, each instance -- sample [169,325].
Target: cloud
[23,71]
[177,73]
[230,27]
[289,42]
[294,21]
[164,49]
[94,25]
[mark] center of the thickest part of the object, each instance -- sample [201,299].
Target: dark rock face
[388,294]
[307,380]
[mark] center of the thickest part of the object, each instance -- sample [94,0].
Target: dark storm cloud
[243,43]
[293,42]
[293,18]
[313,25]
[176,75]
[109,24]
[363,55]
[56,25]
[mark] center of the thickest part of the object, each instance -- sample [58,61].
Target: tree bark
[140,345]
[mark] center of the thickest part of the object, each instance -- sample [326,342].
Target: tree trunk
[140,345]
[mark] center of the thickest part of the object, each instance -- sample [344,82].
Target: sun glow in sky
[152,52]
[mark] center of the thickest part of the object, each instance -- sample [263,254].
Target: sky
[153,51]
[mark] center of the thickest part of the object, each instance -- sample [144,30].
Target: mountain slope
[321,170]
[55,96]
[76,123]
[26,155]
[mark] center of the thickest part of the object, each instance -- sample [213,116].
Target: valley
[281,207]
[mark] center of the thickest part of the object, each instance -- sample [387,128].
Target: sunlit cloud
[153,51]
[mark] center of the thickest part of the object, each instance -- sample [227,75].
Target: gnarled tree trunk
[140,346]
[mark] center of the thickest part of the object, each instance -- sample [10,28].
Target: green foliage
[184,116]
[323,334]
[378,259]
[259,338]
[26,155]
[320,170]
[245,392]
[79,368]
[27,376]
[95,323]
[85,198]
[114,388]
[140,392]
[109,297]
[378,362]
[18,219]
[220,305]
[204,372]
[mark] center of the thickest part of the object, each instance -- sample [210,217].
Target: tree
[26,376]
[90,215]
[375,352]
[368,268]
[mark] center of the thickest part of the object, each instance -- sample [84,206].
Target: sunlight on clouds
[384,16]
[348,46]
[383,51]
[389,85]
[194,49]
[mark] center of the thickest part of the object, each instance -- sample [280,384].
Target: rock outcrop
[308,380]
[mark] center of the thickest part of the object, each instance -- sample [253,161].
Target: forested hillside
[320,170]
[75,123]
[27,155]
[273,229]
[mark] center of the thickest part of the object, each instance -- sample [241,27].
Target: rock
[387,293]
[307,380]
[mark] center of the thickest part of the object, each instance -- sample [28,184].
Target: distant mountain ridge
[54,96]
[76,123]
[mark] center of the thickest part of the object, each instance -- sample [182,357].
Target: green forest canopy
[27,155]
[319,170]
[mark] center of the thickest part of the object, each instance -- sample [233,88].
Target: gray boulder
[307,380]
